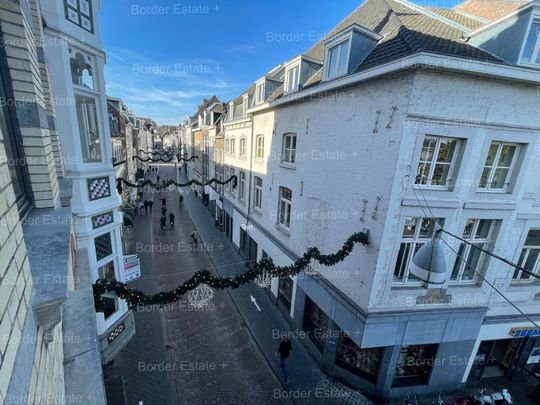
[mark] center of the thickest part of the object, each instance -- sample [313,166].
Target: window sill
[290,166]
[257,211]
[283,230]
[259,160]
[432,188]
[524,283]
[492,191]
[457,284]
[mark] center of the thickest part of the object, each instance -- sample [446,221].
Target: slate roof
[489,9]
[406,31]
[460,18]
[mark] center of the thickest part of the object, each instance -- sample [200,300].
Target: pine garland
[121,181]
[136,298]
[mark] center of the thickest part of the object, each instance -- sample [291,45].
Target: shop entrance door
[496,358]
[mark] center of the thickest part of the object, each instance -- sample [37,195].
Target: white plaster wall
[340,162]
[478,111]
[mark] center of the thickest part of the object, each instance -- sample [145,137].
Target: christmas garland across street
[121,181]
[136,298]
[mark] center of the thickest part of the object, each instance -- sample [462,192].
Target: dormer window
[348,49]
[531,51]
[337,59]
[259,93]
[292,79]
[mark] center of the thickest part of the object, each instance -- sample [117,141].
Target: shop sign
[132,268]
[525,332]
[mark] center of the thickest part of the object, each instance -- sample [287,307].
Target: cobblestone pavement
[181,355]
[308,385]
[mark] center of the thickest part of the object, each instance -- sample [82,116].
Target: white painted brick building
[421,117]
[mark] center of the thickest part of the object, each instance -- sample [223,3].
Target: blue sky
[164,56]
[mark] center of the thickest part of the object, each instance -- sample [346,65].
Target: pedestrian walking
[180,200]
[171,220]
[195,237]
[150,205]
[284,352]
[145,207]
[163,202]
[163,222]
[141,207]
[158,179]
[164,211]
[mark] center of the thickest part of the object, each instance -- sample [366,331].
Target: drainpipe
[250,179]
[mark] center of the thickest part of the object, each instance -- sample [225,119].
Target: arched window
[82,69]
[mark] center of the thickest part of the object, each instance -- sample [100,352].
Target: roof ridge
[404,33]
[431,14]
[334,27]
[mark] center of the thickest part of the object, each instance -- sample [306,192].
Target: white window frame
[259,93]
[227,146]
[233,147]
[257,193]
[535,19]
[242,185]
[337,44]
[511,168]
[259,145]
[243,147]
[465,250]
[295,72]
[434,162]
[289,152]
[95,95]
[284,218]
[416,241]
[523,257]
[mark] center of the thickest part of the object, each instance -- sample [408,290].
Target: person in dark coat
[146,207]
[284,351]
[164,211]
[163,202]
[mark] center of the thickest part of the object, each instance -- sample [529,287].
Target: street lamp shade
[428,264]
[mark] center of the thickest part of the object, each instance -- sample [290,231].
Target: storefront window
[107,271]
[362,362]
[414,365]
[315,323]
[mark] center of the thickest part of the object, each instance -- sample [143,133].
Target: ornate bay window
[87,103]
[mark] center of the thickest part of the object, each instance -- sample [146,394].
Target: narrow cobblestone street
[222,353]
[181,355]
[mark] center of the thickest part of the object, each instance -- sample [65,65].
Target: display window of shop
[107,271]
[414,365]
[362,362]
[315,323]
[285,291]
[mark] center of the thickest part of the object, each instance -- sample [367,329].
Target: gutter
[420,60]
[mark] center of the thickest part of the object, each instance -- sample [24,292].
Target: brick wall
[31,97]
[16,283]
